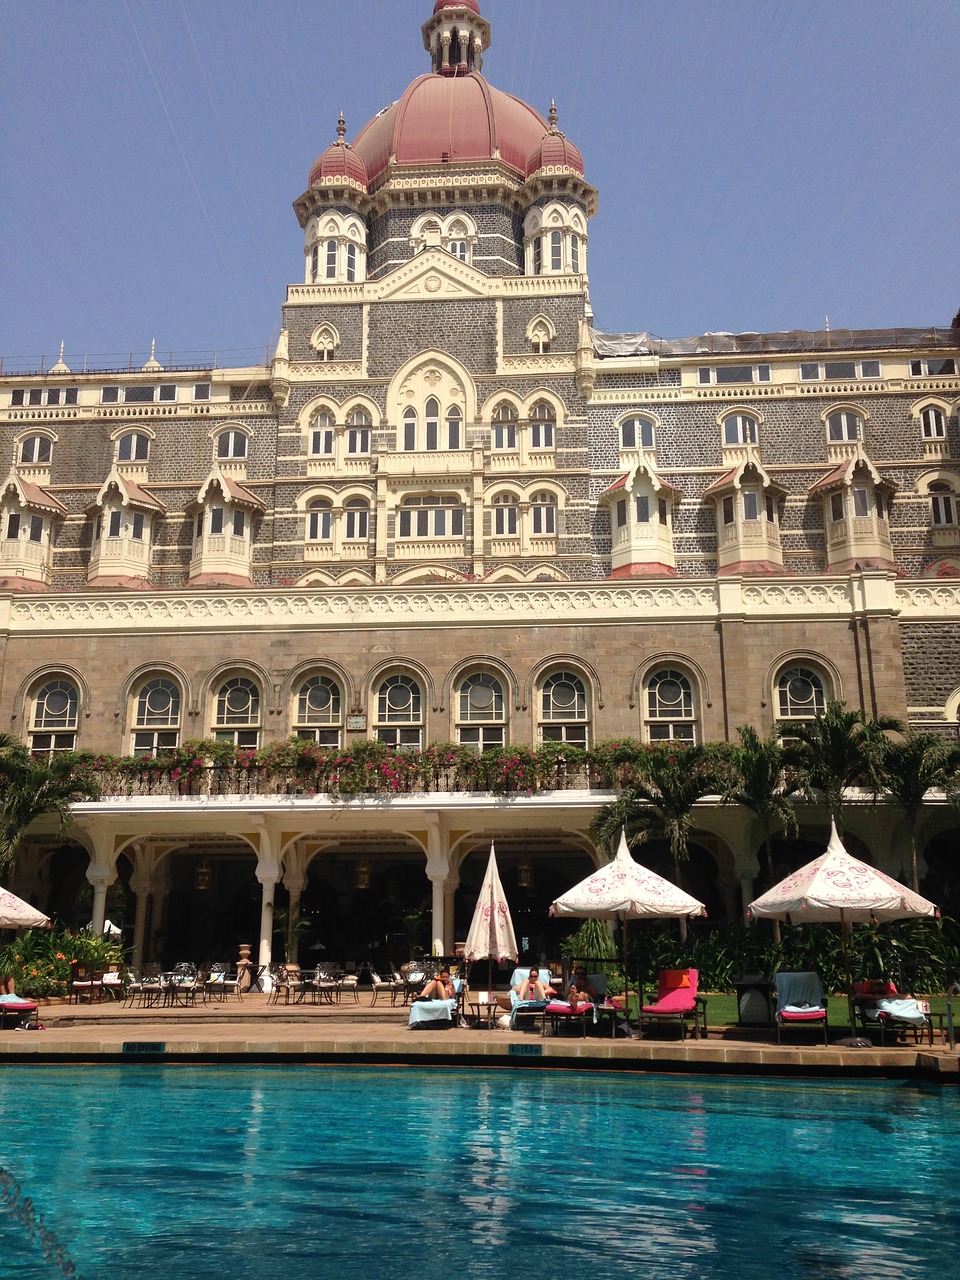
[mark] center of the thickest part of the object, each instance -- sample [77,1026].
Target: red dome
[453,118]
[555,151]
[338,161]
[472,5]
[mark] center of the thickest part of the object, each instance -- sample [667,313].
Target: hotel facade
[450,510]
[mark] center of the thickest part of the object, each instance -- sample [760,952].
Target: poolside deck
[257,1031]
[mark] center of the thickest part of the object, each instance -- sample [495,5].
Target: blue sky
[761,164]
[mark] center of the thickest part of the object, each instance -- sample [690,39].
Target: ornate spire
[341,130]
[552,117]
[456,36]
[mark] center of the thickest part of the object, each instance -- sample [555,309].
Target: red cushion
[807,1015]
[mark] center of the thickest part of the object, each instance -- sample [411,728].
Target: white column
[268,873]
[438,869]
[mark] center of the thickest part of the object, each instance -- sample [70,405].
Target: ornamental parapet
[454,604]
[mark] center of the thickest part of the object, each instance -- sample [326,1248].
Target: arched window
[359,423]
[740,428]
[156,721]
[563,709]
[231,444]
[400,712]
[543,515]
[322,433]
[409,430]
[237,717]
[844,426]
[430,515]
[636,433]
[357,519]
[506,516]
[330,250]
[133,447]
[542,422]
[670,709]
[432,415]
[933,422]
[943,509]
[320,520]
[505,427]
[53,724]
[454,420]
[481,712]
[319,715]
[800,693]
[35,449]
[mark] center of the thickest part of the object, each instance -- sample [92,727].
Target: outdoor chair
[878,1004]
[677,1001]
[218,983]
[291,984]
[389,984]
[112,981]
[440,1013]
[800,1003]
[82,983]
[348,985]
[528,1010]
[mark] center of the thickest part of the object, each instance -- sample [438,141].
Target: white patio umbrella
[17,914]
[491,934]
[625,890]
[838,887]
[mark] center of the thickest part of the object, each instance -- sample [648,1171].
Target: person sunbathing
[532,988]
[580,990]
[439,988]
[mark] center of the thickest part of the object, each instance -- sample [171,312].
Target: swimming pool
[290,1173]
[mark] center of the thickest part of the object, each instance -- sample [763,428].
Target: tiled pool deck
[348,1034]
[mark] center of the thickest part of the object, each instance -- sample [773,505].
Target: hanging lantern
[525,873]
[362,875]
[203,875]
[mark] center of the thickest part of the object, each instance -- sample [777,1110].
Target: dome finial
[341,129]
[552,117]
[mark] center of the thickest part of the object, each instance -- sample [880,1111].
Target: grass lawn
[722,1010]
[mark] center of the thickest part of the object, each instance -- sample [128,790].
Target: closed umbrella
[491,934]
[838,887]
[17,914]
[625,890]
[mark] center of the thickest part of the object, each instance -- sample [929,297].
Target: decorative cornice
[480,605]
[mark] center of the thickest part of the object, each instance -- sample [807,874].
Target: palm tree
[922,762]
[757,782]
[658,803]
[835,750]
[31,788]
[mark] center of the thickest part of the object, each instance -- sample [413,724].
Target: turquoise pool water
[294,1173]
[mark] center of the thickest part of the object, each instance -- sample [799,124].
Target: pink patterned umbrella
[837,887]
[625,890]
[491,934]
[17,914]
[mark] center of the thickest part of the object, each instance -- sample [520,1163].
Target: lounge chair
[800,1002]
[439,1013]
[878,1004]
[16,1011]
[522,1008]
[677,1001]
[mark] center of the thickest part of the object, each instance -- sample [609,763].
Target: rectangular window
[358,440]
[662,511]
[751,505]
[734,373]
[13,525]
[109,395]
[870,369]
[505,436]
[453,433]
[167,392]
[933,367]
[728,511]
[433,432]
[836,506]
[881,510]
[643,509]
[839,369]
[704,376]
[544,520]
[541,435]
[941,508]
[771,510]
[239,524]
[322,441]
[200,525]
[136,528]
[138,395]
[201,391]
[809,372]
[216,520]
[814,371]
[113,530]
[331,259]
[621,513]
[861,502]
